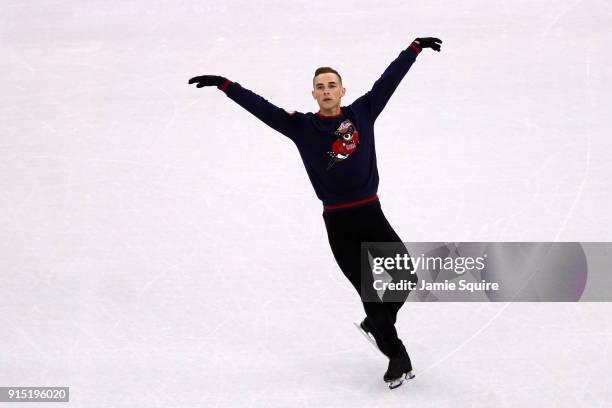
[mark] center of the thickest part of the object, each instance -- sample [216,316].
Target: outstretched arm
[383,88]
[273,116]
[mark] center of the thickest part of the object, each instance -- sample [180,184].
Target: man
[337,148]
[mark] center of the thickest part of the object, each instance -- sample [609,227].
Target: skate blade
[368,337]
[393,384]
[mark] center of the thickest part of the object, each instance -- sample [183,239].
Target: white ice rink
[160,247]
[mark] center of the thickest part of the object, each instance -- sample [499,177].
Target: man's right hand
[208,80]
[429,42]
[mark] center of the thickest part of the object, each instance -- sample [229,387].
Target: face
[328,91]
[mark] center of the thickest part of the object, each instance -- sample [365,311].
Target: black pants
[347,229]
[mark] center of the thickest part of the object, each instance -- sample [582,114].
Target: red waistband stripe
[354,203]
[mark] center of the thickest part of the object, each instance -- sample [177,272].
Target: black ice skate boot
[399,370]
[370,333]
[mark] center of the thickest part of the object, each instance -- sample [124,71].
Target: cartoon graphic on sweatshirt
[347,140]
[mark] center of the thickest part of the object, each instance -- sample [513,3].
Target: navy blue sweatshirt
[338,151]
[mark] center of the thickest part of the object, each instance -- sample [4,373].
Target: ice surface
[160,247]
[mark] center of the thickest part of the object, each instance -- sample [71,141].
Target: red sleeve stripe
[416,47]
[225,85]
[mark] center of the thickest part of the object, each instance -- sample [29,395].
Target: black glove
[429,42]
[208,80]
